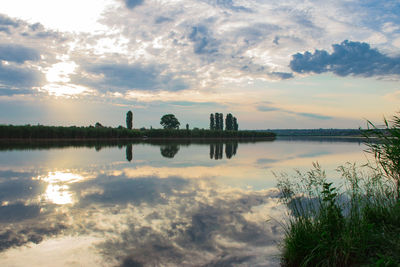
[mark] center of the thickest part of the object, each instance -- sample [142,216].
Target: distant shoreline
[40,132]
[139,139]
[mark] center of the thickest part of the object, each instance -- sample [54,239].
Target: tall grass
[356,223]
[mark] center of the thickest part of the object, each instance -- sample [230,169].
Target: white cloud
[193,49]
[71,15]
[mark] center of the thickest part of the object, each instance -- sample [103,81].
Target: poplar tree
[212,122]
[221,121]
[229,122]
[235,124]
[217,126]
[129,118]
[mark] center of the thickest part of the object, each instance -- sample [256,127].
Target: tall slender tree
[229,122]
[235,124]
[221,121]
[212,122]
[216,121]
[129,118]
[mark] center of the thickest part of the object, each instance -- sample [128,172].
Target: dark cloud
[282,75]
[313,116]
[204,43]
[120,190]
[5,29]
[193,104]
[18,186]
[266,161]
[20,28]
[18,212]
[131,4]
[117,77]
[6,21]
[269,108]
[347,58]
[18,53]
[265,108]
[128,76]
[18,77]
[162,19]
[276,40]
[16,235]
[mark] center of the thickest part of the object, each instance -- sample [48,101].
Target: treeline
[73,132]
[217,122]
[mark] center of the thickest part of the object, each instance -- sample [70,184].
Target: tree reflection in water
[216,150]
[129,154]
[169,151]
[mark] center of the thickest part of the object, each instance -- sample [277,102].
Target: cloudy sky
[273,64]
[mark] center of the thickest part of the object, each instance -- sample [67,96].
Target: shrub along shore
[353,223]
[73,132]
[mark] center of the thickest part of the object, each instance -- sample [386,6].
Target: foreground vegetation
[73,132]
[354,224]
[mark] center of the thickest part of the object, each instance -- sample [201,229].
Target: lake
[152,204]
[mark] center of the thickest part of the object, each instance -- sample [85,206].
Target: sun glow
[57,190]
[58,76]
[66,89]
[60,72]
[58,194]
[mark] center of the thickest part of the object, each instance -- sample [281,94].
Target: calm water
[151,204]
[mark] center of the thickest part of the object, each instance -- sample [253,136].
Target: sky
[272,64]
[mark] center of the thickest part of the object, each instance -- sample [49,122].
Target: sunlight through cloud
[60,72]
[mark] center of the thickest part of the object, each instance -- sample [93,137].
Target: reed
[354,222]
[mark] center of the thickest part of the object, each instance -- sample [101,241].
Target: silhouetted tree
[235,124]
[129,118]
[216,121]
[212,122]
[169,151]
[221,121]
[229,122]
[169,121]
[187,126]
[98,125]
[129,154]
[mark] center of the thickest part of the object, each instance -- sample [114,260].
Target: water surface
[151,204]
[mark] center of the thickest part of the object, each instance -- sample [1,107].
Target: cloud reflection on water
[152,220]
[150,211]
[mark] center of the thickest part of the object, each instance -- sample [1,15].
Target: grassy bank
[356,223]
[73,132]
